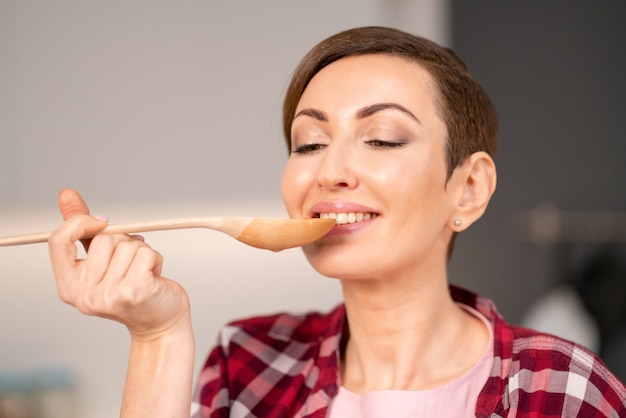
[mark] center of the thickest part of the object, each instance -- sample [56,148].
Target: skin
[120,279]
[405,331]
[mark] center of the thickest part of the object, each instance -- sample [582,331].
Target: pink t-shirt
[455,399]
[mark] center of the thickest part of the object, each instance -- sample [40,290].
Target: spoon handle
[231,226]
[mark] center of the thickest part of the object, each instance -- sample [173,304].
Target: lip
[343,207]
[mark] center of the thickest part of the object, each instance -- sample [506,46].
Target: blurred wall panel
[555,71]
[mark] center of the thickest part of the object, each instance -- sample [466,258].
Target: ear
[472,185]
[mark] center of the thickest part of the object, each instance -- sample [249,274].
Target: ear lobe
[477,182]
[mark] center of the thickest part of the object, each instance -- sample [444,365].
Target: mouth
[343,218]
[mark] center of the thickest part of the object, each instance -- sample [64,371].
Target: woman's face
[368,147]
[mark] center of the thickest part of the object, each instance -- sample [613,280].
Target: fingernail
[101,218]
[139,237]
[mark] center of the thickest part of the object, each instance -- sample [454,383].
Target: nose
[337,168]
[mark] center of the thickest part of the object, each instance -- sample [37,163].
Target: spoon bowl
[266,233]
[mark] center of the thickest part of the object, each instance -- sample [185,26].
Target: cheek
[401,179]
[293,188]
[413,186]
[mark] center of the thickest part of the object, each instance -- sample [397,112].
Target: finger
[139,284]
[62,247]
[71,203]
[147,263]
[143,288]
[99,258]
[122,259]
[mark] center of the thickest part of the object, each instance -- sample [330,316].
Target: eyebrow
[378,107]
[362,113]
[313,113]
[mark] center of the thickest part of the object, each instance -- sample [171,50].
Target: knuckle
[85,305]
[121,297]
[65,295]
[111,296]
[53,239]
[144,252]
[149,255]
[101,242]
[56,239]
[127,246]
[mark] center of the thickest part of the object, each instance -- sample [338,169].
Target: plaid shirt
[287,366]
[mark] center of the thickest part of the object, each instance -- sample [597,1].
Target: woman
[390,135]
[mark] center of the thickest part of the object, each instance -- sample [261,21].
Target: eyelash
[308,149]
[378,143]
[374,143]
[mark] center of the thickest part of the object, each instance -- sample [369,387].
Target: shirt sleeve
[211,398]
[558,378]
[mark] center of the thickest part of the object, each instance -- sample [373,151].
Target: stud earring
[457,222]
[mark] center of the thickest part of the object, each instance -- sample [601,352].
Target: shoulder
[305,328]
[538,374]
[556,371]
[271,363]
[537,351]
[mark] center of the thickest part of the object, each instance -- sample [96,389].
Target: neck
[407,337]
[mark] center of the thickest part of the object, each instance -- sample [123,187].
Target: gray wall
[138,102]
[151,110]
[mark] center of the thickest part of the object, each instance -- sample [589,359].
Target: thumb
[62,247]
[71,204]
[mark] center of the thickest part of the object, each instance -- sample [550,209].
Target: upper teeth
[348,217]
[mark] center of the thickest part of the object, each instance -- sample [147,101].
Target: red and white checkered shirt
[287,366]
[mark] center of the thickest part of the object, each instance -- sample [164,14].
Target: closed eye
[378,143]
[308,148]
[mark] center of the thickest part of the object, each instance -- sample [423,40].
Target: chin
[335,264]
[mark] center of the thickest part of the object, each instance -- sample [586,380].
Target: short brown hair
[463,104]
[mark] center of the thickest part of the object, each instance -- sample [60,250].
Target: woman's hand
[120,278]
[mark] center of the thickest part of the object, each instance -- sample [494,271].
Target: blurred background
[165,109]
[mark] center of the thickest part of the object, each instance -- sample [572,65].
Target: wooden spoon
[265,233]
